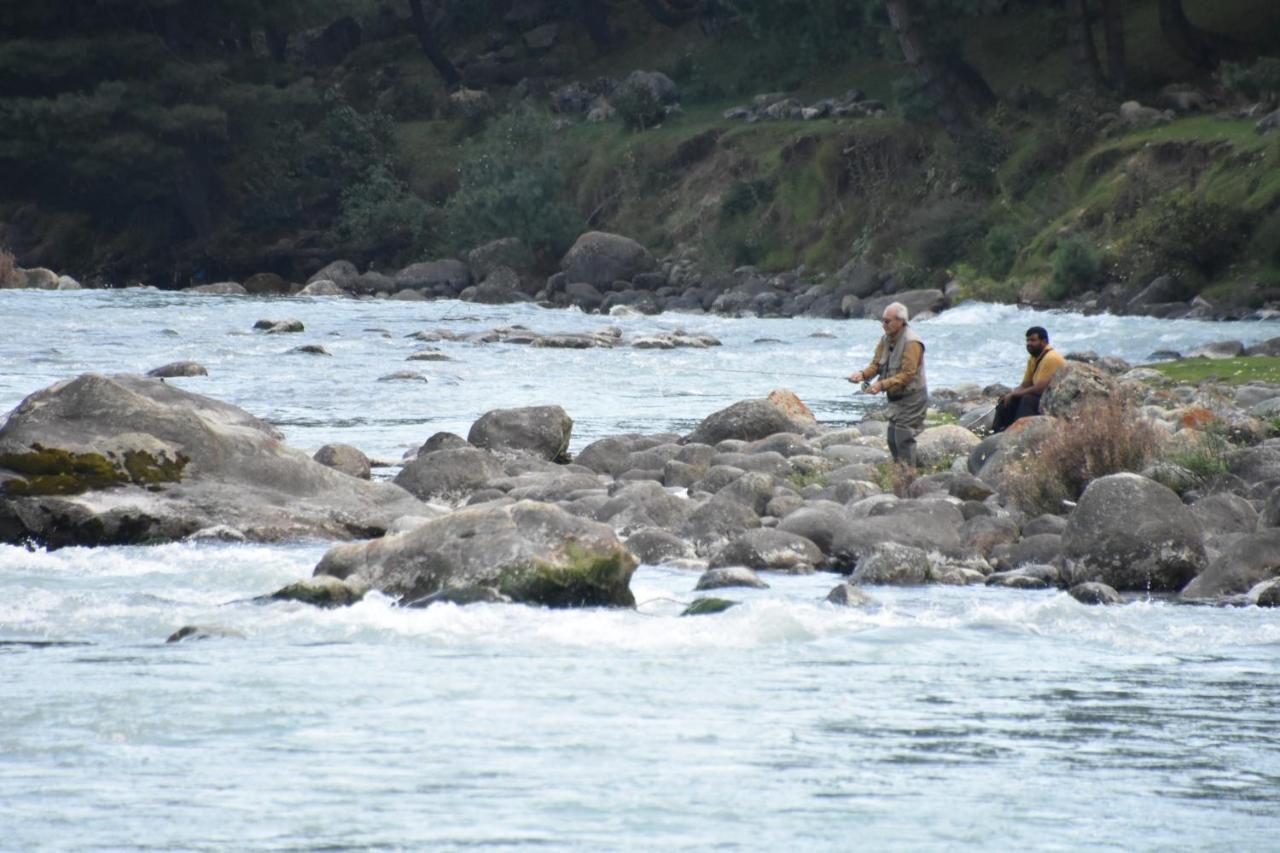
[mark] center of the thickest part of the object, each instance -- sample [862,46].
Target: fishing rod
[767,373]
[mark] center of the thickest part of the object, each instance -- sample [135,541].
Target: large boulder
[441,277]
[750,420]
[1132,533]
[765,548]
[1249,561]
[1072,384]
[341,273]
[527,552]
[600,259]
[938,445]
[100,460]
[509,252]
[452,473]
[542,431]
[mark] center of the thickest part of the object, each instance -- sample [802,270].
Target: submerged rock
[529,552]
[849,595]
[707,606]
[1095,593]
[178,368]
[203,632]
[720,578]
[322,592]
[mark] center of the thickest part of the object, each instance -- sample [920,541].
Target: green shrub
[1102,436]
[381,211]
[744,196]
[638,107]
[1076,265]
[1257,81]
[511,184]
[1000,249]
[1182,233]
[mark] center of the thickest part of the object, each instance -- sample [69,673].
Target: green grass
[1230,371]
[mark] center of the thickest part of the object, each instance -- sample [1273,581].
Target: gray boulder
[861,536]
[600,259]
[938,445]
[1095,593]
[730,576]
[178,368]
[849,595]
[1039,549]
[450,474]
[1072,384]
[1246,563]
[818,521]
[717,522]
[653,546]
[525,552]
[322,287]
[442,277]
[345,458]
[510,252]
[542,431]
[1225,512]
[893,564]
[1132,533]
[100,460]
[775,550]
[341,273]
[644,504]
[751,420]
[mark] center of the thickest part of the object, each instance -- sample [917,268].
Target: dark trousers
[1019,407]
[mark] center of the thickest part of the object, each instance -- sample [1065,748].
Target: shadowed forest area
[1014,149]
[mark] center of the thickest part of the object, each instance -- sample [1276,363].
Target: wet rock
[203,632]
[323,287]
[1133,534]
[708,606]
[653,546]
[125,459]
[323,592]
[279,327]
[721,578]
[893,564]
[849,595]
[1095,593]
[1252,559]
[600,258]
[310,349]
[345,458]
[404,376]
[529,552]
[543,431]
[1265,594]
[774,550]
[178,368]
[450,474]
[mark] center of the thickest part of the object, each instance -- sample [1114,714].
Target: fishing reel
[866,386]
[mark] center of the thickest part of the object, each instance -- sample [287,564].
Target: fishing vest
[891,361]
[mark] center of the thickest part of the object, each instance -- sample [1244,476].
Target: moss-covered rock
[322,591]
[707,606]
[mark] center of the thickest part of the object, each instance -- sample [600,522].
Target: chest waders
[907,407]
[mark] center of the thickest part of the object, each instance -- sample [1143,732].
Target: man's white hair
[897,309]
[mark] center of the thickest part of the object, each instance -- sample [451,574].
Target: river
[939,718]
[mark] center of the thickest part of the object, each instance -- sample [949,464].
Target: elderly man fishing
[899,362]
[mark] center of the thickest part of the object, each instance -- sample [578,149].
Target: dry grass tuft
[1103,436]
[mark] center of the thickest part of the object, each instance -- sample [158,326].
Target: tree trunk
[595,17]
[1191,43]
[927,71]
[1084,54]
[668,17]
[1113,29]
[430,47]
[277,42]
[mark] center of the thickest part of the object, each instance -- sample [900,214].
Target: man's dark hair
[1040,332]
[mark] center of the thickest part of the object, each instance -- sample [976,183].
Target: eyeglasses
[887,320]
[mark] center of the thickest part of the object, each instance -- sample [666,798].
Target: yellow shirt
[1042,366]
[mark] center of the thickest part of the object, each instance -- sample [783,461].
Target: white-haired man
[899,362]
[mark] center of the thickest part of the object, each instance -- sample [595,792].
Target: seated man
[1024,401]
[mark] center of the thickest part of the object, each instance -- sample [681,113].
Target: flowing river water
[939,718]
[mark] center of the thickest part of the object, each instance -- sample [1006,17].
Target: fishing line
[764,373]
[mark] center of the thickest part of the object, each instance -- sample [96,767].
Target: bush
[381,211]
[895,477]
[1255,82]
[1075,266]
[8,269]
[1184,233]
[637,106]
[511,184]
[1000,249]
[744,196]
[1103,436]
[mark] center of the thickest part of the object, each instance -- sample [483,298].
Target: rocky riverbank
[612,274]
[1183,497]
